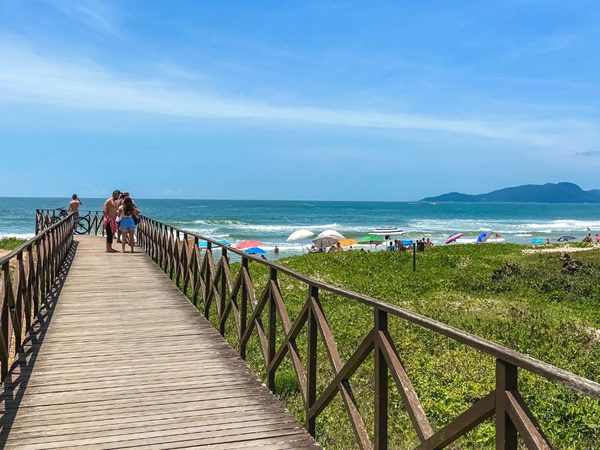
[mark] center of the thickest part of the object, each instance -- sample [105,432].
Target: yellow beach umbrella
[348,242]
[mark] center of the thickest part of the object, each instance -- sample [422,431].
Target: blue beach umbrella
[407,243]
[484,237]
[255,251]
[538,241]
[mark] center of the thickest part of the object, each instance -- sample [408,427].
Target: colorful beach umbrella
[566,238]
[248,244]
[348,242]
[298,235]
[331,233]
[376,240]
[454,237]
[255,251]
[386,231]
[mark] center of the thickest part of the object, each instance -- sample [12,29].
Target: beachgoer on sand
[127,225]
[109,220]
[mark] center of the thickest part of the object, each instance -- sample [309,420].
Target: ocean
[271,222]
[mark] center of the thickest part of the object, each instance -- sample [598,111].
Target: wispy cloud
[91,13]
[30,77]
[594,153]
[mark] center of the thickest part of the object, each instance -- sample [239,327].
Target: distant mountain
[529,193]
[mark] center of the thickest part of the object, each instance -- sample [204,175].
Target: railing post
[243,307]
[414,255]
[311,365]
[195,273]
[506,380]
[207,279]
[223,291]
[381,384]
[272,330]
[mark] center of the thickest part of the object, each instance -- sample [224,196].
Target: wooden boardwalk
[127,362]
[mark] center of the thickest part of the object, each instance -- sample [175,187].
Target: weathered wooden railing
[88,222]
[211,282]
[28,276]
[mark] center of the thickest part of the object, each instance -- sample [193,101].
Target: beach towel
[112,222]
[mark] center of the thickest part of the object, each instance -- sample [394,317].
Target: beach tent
[255,251]
[325,241]
[204,244]
[298,235]
[331,233]
[454,237]
[348,242]
[248,244]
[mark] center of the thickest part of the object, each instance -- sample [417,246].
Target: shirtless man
[74,205]
[110,220]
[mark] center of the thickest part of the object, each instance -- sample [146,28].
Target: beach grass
[526,302]
[10,243]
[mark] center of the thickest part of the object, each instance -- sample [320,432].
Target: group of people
[397,244]
[120,218]
[588,239]
[333,249]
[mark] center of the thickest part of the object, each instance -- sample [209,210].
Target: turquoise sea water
[272,221]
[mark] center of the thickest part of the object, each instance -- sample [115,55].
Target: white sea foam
[17,235]
[501,226]
[243,226]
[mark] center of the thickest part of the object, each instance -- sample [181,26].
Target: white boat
[386,231]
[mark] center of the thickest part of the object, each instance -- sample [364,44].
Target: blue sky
[297,100]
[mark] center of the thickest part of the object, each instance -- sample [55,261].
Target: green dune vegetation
[527,302]
[10,243]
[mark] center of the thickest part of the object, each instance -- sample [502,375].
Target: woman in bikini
[127,225]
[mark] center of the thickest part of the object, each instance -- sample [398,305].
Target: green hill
[529,193]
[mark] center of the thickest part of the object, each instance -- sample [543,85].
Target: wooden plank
[127,361]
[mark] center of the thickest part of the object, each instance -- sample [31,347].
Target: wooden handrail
[208,281]
[88,222]
[28,276]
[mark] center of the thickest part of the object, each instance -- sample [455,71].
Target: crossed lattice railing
[88,222]
[28,277]
[208,282]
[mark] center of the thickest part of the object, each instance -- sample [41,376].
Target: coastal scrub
[527,302]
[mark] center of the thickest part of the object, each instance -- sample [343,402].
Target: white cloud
[28,77]
[92,14]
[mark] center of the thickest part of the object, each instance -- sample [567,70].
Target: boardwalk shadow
[15,383]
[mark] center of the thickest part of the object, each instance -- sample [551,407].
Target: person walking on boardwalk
[127,225]
[109,221]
